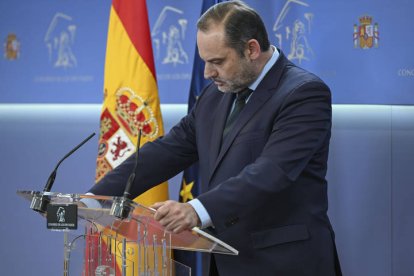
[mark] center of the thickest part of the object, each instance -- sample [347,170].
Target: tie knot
[238,106]
[243,95]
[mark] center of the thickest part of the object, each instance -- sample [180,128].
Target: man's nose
[209,72]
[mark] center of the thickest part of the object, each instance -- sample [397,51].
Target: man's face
[229,71]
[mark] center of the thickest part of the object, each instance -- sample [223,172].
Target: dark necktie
[238,106]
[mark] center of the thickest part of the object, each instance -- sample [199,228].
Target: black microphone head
[50,181]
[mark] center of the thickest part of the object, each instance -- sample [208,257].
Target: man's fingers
[174,216]
[162,211]
[157,205]
[175,226]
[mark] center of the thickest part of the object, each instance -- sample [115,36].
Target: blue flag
[190,186]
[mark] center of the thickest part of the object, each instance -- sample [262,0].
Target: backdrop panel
[54,50]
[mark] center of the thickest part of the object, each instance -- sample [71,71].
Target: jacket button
[231,221]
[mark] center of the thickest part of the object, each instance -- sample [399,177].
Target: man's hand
[174,216]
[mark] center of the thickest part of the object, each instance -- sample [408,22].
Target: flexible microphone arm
[52,176]
[40,201]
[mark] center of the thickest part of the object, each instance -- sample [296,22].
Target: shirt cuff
[91,203]
[201,212]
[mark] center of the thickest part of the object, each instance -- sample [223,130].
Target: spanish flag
[131,101]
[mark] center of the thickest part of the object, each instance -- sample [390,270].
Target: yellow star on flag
[185,192]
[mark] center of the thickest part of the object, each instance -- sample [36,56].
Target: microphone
[121,207]
[52,176]
[39,203]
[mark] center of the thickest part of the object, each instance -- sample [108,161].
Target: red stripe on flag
[133,15]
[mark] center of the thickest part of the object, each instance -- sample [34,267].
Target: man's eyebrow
[215,59]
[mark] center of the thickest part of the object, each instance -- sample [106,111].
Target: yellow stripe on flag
[131,101]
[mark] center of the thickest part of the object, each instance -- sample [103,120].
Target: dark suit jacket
[264,186]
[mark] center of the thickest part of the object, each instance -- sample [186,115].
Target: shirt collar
[266,68]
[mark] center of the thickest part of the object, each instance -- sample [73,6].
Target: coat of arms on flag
[133,114]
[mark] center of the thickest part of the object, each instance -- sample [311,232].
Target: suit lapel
[217,130]
[257,99]
[263,92]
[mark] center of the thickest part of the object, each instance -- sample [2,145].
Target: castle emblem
[366,35]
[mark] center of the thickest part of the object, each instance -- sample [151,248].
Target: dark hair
[241,23]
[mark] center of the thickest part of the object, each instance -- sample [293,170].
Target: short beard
[243,79]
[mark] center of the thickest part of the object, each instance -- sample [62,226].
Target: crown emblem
[365,20]
[135,114]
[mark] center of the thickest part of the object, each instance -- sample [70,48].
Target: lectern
[97,242]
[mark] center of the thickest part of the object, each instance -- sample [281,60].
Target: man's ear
[253,49]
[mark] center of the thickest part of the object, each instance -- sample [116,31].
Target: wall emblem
[168,35]
[292,29]
[366,35]
[59,40]
[11,47]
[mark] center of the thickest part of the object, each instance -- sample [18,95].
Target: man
[262,170]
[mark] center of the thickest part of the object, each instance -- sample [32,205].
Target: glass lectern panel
[135,244]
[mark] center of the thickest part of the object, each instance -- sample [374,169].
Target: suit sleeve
[158,161]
